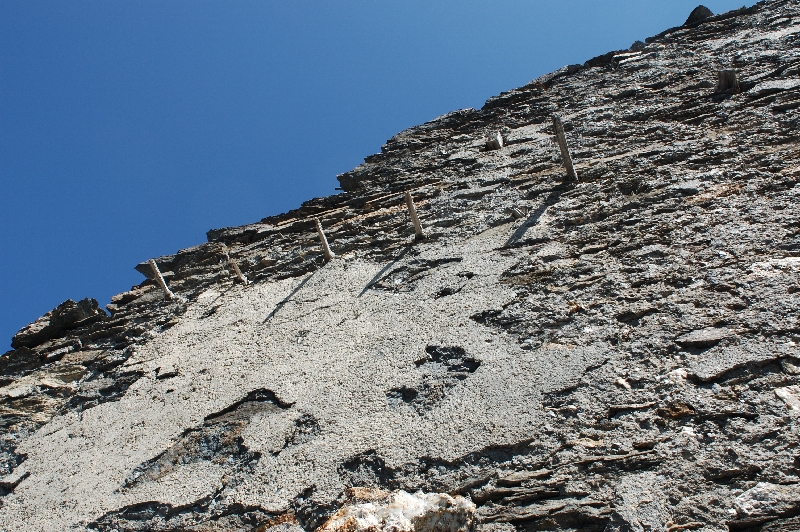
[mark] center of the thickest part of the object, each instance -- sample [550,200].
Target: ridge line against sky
[129,129]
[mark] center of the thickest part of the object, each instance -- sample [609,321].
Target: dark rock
[728,82]
[20,361]
[698,14]
[67,315]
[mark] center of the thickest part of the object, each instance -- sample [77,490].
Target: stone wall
[613,353]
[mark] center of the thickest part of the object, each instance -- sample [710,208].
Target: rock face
[616,353]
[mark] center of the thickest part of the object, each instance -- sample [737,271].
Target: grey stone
[707,337]
[639,505]
[766,499]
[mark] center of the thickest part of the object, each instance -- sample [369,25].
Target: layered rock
[617,353]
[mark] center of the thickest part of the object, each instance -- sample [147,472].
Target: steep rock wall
[621,357]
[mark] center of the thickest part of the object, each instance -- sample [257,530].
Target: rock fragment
[494,141]
[707,337]
[639,505]
[403,512]
[766,499]
[790,395]
[728,82]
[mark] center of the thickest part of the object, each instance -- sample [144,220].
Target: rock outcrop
[613,353]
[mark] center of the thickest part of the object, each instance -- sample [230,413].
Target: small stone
[790,366]
[12,480]
[708,337]
[494,141]
[790,395]
[623,383]
[166,372]
[587,443]
[677,376]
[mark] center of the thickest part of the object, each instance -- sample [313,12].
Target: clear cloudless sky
[130,128]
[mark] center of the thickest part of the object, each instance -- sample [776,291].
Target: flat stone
[707,337]
[12,480]
[766,499]
[718,361]
[790,395]
[772,86]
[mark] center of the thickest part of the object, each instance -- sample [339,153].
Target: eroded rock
[403,512]
[67,315]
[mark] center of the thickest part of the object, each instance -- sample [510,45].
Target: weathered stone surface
[633,332]
[639,505]
[790,395]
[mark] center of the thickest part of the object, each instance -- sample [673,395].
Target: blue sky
[130,128]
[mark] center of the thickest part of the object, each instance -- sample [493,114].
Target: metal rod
[562,143]
[330,255]
[412,212]
[167,292]
[239,275]
[235,267]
